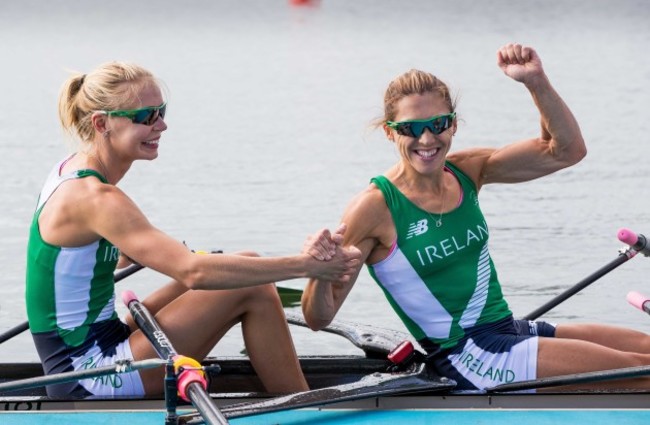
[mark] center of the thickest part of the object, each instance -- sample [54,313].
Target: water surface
[269,130]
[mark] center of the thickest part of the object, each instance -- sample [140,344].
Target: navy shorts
[492,354]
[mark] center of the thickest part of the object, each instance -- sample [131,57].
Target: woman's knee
[261,295]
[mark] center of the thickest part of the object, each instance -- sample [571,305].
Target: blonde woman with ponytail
[84,224]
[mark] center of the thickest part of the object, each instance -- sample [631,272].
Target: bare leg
[196,320]
[619,338]
[560,356]
[163,296]
[269,344]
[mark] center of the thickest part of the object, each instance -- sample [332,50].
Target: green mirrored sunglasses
[414,128]
[145,116]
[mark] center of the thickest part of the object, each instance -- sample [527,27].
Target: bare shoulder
[368,217]
[370,196]
[103,209]
[91,194]
[367,204]
[76,211]
[472,162]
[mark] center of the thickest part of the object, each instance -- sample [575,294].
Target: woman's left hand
[322,245]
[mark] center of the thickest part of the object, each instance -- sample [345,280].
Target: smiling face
[425,154]
[131,141]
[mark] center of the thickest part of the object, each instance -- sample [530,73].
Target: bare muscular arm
[559,145]
[101,210]
[368,227]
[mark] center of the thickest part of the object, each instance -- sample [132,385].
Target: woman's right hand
[338,263]
[342,265]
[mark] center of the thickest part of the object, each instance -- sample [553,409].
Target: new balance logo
[418,228]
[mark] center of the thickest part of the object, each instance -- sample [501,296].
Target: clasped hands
[327,247]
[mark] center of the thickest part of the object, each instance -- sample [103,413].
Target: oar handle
[637,241]
[639,301]
[128,297]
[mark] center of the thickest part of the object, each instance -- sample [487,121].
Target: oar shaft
[127,271]
[622,258]
[204,404]
[60,378]
[574,379]
[149,326]
[16,330]
[163,346]
[637,243]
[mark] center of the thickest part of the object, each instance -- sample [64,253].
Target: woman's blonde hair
[111,86]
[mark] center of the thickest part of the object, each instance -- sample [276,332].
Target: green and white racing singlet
[68,288]
[70,298]
[440,280]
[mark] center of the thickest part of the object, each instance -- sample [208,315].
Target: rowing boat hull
[421,401]
[237,383]
[351,416]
